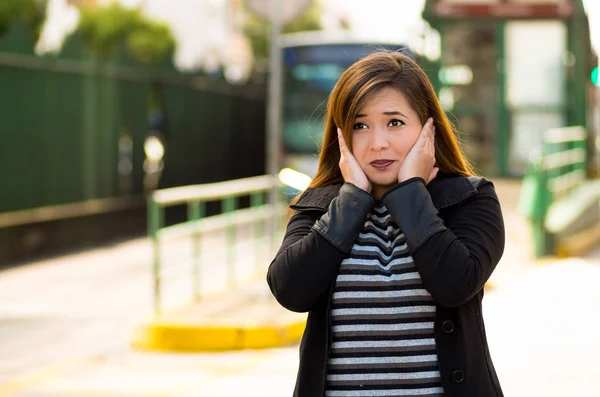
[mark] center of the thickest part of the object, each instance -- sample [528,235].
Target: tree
[105,30]
[150,42]
[32,13]
[259,30]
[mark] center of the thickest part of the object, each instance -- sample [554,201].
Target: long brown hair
[358,84]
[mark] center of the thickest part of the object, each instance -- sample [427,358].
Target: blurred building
[511,69]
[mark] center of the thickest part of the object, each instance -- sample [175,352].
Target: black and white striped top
[383,320]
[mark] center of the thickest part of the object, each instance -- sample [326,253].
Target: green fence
[197,224]
[553,175]
[72,128]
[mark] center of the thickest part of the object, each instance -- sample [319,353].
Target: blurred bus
[313,62]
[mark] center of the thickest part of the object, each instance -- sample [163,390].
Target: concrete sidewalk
[543,332]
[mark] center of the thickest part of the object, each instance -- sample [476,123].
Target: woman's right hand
[350,168]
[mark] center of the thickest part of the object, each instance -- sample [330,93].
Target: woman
[390,247]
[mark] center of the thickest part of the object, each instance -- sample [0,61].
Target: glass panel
[534,63]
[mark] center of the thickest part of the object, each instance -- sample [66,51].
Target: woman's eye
[359,126]
[396,123]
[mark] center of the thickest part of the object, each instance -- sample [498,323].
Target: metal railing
[564,159]
[553,174]
[196,197]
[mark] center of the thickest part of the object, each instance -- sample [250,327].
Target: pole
[155,220]
[274,111]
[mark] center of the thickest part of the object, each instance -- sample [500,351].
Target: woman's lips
[381,164]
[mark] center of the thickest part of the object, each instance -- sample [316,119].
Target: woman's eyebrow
[393,113]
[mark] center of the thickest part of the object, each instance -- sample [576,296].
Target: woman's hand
[420,161]
[350,168]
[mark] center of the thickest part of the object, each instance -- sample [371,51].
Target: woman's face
[383,133]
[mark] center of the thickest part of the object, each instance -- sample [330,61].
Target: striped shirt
[382,319]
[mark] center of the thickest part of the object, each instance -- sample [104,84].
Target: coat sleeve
[313,247]
[455,258]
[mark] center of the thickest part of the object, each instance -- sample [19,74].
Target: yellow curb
[197,338]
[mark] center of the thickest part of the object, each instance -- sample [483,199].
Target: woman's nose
[379,140]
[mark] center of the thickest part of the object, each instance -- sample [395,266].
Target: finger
[425,131]
[343,148]
[431,139]
[429,134]
[431,129]
[343,156]
[340,137]
[428,124]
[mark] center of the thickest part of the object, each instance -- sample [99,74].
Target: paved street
[65,326]
[83,306]
[543,330]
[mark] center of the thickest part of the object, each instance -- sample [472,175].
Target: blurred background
[148,149]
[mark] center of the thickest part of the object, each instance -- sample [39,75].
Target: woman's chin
[380,180]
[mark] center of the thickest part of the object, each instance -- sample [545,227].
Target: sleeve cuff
[411,208]
[346,216]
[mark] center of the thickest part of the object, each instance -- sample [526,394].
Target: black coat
[455,234]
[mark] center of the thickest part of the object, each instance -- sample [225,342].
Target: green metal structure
[554,175]
[197,224]
[475,34]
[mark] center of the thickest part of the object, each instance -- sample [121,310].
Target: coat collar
[445,191]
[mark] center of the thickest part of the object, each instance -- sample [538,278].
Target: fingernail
[339,131]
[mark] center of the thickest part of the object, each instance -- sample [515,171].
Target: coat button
[448,327]
[458,376]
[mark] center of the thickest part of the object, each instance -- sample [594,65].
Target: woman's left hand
[420,160]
